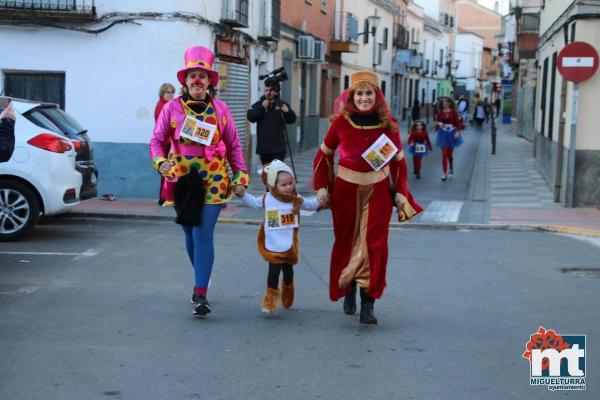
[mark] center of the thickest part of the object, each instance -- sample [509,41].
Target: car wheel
[19,209]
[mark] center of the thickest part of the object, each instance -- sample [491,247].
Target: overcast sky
[432,6]
[490,4]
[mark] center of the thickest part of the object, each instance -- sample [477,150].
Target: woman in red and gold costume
[371,179]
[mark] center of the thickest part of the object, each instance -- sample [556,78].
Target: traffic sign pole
[577,62]
[572,144]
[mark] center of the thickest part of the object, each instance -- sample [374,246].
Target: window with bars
[276,19]
[385,38]
[36,86]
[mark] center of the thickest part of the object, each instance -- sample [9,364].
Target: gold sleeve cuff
[156,162]
[326,150]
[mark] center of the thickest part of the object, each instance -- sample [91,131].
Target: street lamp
[373,22]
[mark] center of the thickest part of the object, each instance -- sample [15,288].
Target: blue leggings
[199,244]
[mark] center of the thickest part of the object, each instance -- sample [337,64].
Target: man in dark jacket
[271,114]
[7,133]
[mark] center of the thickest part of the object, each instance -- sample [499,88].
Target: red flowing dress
[361,204]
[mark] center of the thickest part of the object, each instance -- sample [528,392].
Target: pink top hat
[199,57]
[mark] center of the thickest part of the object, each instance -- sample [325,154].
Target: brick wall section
[473,17]
[318,22]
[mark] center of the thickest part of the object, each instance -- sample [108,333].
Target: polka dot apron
[214,173]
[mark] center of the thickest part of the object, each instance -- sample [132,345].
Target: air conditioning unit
[320,49]
[235,13]
[306,47]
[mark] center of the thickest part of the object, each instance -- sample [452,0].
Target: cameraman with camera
[7,132]
[271,113]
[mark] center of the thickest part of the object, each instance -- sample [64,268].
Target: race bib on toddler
[281,219]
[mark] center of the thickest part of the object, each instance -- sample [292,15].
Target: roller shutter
[234,89]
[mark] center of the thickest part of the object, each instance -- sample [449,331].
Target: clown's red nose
[197,81]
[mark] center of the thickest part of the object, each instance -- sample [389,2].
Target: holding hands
[323,197]
[239,190]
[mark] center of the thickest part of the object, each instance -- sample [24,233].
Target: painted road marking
[87,253]
[442,211]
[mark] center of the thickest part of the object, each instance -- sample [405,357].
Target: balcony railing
[63,11]
[345,33]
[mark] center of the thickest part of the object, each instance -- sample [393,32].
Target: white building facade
[566,140]
[435,54]
[375,46]
[468,55]
[109,68]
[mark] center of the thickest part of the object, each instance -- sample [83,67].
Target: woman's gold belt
[362,178]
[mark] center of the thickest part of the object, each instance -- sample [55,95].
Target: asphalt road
[430,186]
[100,309]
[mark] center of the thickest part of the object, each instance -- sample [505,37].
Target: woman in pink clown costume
[202,136]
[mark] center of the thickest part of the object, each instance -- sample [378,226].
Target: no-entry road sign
[577,61]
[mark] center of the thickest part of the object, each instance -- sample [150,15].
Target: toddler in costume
[278,240]
[419,144]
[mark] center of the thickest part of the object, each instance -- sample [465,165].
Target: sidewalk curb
[570,230]
[393,225]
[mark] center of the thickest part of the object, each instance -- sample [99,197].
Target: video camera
[278,75]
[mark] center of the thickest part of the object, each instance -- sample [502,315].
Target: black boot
[366,309]
[350,301]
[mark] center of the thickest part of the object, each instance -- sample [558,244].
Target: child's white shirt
[278,240]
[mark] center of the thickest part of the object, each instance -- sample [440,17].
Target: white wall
[431,7]
[468,51]
[111,79]
[433,42]
[210,9]
[363,59]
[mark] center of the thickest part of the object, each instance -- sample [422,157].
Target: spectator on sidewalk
[166,92]
[448,127]
[271,114]
[419,145]
[360,197]
[7,133]
[472,106]
[487,106]
[479,115]
[416,111]
[201,134]
[497,105]
[278,237]
[463,108]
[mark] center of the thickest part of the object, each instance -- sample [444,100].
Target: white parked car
[41,177]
